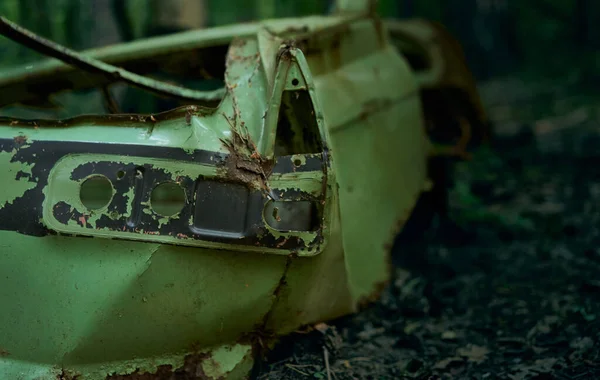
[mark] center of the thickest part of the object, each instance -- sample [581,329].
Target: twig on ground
[293,368]
[326,355]
[360,359]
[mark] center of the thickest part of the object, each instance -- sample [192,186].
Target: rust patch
[324,184]
[121,120]
[239,42]
[20,140]
[367,300]
[243,169]
[4,353]
[68,375]
[379,287]
[191,370]
[284,53]
[336,54]
[293,30]
[378,24]
[261,338]
[248,168]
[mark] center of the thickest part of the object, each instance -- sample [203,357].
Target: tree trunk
[37,21]
[581,23]
[104,30]
[265,9]
[121,15]
[176,15]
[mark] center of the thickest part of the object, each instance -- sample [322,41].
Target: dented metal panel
[367,103]
[211,229]
[135,168]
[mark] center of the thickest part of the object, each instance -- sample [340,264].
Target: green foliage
[545,31]
[64,21]
[486,166]
[9,51]
[388,7]
[544,36]
[137,14]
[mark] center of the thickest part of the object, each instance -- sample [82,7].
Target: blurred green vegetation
[534,37]
[541,41]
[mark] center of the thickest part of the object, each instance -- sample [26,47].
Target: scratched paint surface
[63,189]
[159,298]
[98,306]
[21,174]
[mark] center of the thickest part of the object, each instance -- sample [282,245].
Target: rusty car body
[183,241]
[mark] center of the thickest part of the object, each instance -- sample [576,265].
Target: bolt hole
[276,214]
[120,174]
[297,162]
[167,199]
[139,171]
[96,192]
[295,82]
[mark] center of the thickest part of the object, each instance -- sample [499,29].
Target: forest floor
[519,298]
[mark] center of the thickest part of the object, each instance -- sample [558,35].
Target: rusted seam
[29,39]
[262,328]
[460,148]
[122,120]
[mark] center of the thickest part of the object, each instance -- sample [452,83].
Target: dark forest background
[513,292]
[546,38]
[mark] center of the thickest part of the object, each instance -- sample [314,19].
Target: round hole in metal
[96,192]
[167,199]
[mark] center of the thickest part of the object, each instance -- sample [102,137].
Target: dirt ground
[513,292]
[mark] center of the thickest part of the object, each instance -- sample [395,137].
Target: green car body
[293,181]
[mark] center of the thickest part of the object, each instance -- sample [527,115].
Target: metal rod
[109,101]
[27,38]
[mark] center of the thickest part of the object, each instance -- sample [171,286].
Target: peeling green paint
[129,198]
[225,359]
[129,300]
[62,189]
[17,187]
[299,160]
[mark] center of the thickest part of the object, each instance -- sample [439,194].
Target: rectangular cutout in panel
[292,215]
[221,208]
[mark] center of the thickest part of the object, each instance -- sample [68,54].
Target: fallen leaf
[370,332]
[543,326]
[448,362]
[449,335]
[544,365]
[540,366]
[83,220]
[411,327]
[473,353]
[582,344]
[401,277]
